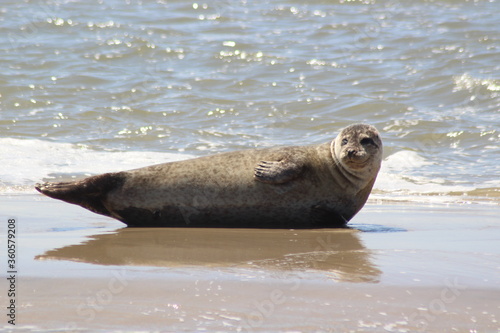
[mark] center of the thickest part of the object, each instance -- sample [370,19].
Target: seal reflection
[338,252]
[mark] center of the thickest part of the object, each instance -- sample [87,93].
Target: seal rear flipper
[280,171]
[90,193]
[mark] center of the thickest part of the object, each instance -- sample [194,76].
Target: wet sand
[398,268]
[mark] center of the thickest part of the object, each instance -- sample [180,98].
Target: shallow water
[96,86]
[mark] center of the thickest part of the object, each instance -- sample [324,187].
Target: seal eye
[367,141]
[344,141]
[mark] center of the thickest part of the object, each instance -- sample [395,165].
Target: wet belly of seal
[241,217]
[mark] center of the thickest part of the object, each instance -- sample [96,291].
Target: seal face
[312,186]
[358,150]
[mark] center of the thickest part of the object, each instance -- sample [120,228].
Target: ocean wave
[399,181]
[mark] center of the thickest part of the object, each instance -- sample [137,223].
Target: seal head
[357,151]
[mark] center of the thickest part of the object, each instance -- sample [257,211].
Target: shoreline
[398,268]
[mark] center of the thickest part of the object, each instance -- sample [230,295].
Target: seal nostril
[351,153]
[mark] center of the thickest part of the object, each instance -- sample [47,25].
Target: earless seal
[316,186]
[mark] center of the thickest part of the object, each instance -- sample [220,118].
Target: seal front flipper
[278,172]
[89,193]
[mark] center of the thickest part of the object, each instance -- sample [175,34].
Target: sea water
[93,86]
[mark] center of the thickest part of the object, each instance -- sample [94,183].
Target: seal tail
[90,193]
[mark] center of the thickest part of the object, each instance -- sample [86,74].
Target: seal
[314,186]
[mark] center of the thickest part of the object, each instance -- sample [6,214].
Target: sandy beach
[398,268]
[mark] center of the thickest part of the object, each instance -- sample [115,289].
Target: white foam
[470,83]
[26,162]
[398,181]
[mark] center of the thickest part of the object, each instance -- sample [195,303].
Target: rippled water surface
[92,86]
